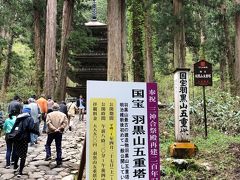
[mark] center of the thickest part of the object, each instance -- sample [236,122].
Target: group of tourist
[22,127]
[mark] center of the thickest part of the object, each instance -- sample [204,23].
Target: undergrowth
[217,156]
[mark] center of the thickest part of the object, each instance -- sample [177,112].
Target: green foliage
[215,159]
[22,72]
[163,22]
[222,111]
[80,38]
[16,16]
[80,42]
[165,87]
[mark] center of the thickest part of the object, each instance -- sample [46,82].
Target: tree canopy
[195,29]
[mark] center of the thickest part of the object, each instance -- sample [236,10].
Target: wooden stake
[83,162]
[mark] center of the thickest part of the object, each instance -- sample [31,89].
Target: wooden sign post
[203,77]
[182,148]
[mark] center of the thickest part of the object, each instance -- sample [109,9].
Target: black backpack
[16,133]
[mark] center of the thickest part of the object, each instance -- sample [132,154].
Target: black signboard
[203,73]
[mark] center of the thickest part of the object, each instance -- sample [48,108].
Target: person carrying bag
[20,134]
[7,127]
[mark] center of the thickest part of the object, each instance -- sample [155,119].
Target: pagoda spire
[94,11]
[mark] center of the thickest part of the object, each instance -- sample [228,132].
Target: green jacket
[8,124]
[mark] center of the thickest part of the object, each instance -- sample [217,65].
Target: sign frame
[202,73]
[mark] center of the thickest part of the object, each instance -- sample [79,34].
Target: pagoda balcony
[101,40]
[91,57]
[76,91]
[91,54]
[90,69]
[83,74]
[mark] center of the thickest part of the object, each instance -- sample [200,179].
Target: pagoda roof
[95,24]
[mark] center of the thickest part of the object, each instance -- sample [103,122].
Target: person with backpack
[7,127]
[20,134]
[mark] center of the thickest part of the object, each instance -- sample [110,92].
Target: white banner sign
[122,131]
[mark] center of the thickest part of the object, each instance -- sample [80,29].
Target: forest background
[161,35]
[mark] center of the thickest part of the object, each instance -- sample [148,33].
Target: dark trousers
[58,142]
[10,151]
[44,122]
[21,147]
[22,164]
[33,136]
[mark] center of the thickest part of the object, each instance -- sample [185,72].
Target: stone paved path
[37,168]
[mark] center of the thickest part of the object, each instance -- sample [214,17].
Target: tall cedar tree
[179,36]
[148,41]
[124,41]
[237,49]
[116,50]
[67,17]
[38,46]
[137,40]
[7,72]
[50,48]
[229,48]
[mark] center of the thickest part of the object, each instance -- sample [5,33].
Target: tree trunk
[237,51]
[50,48]
[148,43]
[137,40]
[3,34]
[229,52]
[7,72]
[222,73]
[66,28]
[1,55]
[179,36]
[124,41]
[37,47]
[1,48]
[115,39]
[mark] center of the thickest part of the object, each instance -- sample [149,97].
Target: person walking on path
[7,127]
[35,113]
[24,125]
[50,103]
[15,105]
[71,109]
[63,108]
[43,104]
[81,107]
[56,122]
